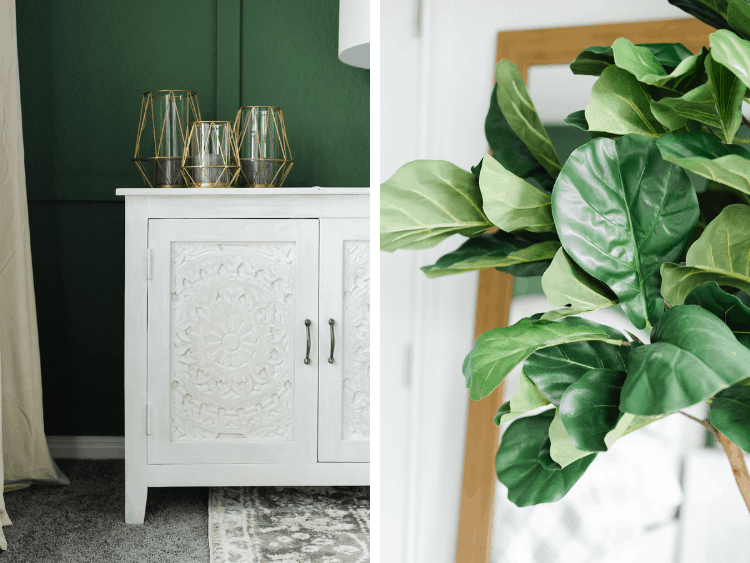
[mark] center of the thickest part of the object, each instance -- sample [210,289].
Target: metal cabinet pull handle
[333,340]
[307,355]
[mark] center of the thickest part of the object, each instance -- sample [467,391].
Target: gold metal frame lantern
[210,159]
[264,154]
[162,135]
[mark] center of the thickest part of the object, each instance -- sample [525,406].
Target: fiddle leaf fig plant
[619,223]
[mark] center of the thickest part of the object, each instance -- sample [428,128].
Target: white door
[344,419]
[228,302]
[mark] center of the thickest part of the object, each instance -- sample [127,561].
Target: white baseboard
[86,447]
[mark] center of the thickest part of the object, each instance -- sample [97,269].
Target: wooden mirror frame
[525,48]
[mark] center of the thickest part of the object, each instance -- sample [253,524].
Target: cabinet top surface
[251,192]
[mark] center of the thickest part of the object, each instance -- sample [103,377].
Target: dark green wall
[84,66]
[286,60]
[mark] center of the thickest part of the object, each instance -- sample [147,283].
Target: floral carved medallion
[232,374]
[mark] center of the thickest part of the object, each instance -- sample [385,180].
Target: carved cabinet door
[344,419]
[227,341]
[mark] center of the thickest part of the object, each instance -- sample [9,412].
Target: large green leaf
[634,423]
[508,252]
[738,16]
[711,12]
[578,119]
[590,408]
[498,351]
[728,92]
[556,367]
[519,469]
[545,455]
[621,211]
[730,414]
[668,54]
[729,308]
[426,201]
[509,150]
[518,109]
[690,74]
[725,243]
[734,53]
[512,203]
[593,60]
[679,281]
[638,61]
[712,200]
[527,397]
[702,153]
[693,355]
[620,104]
[697,105]
[719,255]
[567,285]
[502,411]
[643,64]
[564,452]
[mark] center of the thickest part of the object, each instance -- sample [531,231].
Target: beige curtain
[25,458]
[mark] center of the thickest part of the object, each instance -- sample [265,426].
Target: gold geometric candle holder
[264,154]
[210,157]
[162,134]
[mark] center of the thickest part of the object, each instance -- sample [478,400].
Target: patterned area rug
[289,524]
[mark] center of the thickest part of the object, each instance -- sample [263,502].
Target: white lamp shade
[354,32]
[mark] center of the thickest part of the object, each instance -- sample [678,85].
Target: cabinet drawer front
[344,420]
[227,304]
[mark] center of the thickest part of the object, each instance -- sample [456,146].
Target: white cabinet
[344,419]
[246,338]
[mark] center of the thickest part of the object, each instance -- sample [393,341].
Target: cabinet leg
[135,503]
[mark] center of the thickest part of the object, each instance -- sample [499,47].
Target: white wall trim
[86,447]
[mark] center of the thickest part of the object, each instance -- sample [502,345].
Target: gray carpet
[84,522]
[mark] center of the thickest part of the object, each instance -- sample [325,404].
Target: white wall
[426,330]
[436,79]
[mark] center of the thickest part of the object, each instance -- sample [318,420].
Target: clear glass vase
[264,154]
[163,127]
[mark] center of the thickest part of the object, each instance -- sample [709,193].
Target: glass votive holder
[162,133]
[264,154]
[210,157]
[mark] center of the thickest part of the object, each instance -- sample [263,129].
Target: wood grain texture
[561,45]
[482,436]
[527,48]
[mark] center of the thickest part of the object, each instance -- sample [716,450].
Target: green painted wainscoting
[84,66]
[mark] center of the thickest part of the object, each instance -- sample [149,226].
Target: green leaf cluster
[619,223]
[720,14]
[425,202]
